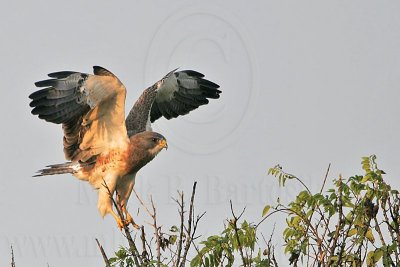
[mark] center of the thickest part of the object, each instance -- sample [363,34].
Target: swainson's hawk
[98,142]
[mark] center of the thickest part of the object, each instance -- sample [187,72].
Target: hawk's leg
[120,223]
[106,191]
[125,187]
[128,218]
[121,203]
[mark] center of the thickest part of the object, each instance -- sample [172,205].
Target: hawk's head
[151,143]
[144,146]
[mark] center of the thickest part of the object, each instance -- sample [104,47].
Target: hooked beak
[163,144]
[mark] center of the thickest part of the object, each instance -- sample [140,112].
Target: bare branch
[157,233]
[103,253]
[189,234]
[142,204]
[326,176]
[181,205]
[270,250]
[12,257]
[145,254]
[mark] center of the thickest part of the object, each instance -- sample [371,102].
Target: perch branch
[103,253]
[132,246]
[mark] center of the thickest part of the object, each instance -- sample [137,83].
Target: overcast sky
[305,84]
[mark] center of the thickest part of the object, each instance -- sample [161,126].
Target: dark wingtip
[193,73]
[39,174]
[61,74]
[208,83]
[213,95]
[32,96]
[44,83]
[38,94]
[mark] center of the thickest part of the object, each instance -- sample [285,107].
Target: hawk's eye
[154,140]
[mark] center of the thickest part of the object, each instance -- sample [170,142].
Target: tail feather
[68,167]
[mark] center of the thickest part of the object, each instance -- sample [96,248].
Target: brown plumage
[101,146]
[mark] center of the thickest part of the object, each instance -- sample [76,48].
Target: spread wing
[181,93]
[89,107]
[176,94]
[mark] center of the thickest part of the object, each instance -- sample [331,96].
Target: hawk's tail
[68,167]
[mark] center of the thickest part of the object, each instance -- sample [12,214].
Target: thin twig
[156,233]
[12,257]
[145,254]
[198,218]
[378,229]
[326,176]
[270,248]
[300,181]
[338,225]
[103,253]
[148,244]
[234,224]
[320,244]
[142,203]
[181,204]
[189,237]
[157,230]
[389,226]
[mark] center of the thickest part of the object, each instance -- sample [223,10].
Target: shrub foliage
[354,222]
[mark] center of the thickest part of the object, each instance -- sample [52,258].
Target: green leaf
[365,179]
[207,262]
[112,260]
[265,210]
[212,261]
[352,232]
[334,258]
[121,253]
[378,255]
[172,239]
[174,229]
[370,258]
[196,261]
[370,236]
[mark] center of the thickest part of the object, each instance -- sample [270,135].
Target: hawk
[101,146]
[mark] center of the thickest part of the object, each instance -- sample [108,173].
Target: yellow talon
[129,219]
[120,223]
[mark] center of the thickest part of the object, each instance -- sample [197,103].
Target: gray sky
[305,83]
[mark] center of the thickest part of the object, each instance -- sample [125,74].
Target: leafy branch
[360,205]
